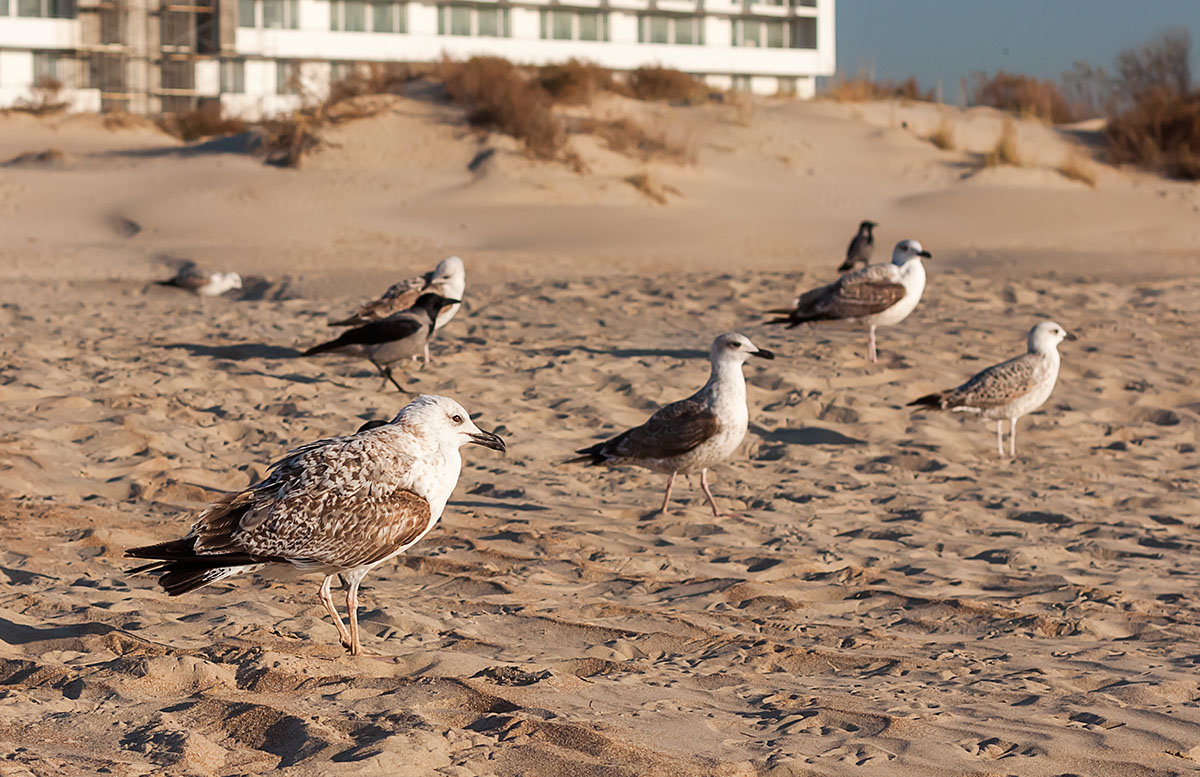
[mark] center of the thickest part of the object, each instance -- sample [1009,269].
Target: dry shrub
[651,188]
[287,139]
[626,136]
[1022,95]
[203,122]
[575,82]
[943,136]
[501,98]
[861,89]
[45,99]
[1161,132]
[666,85]
[1005,152]
[1077,168]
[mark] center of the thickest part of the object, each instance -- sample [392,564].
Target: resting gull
[191,278]
[399,336]
[877,295]
[1010,389]
[694,433]
[343,505]
[861,247]
[448,279]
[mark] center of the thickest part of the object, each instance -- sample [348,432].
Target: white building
[260,57]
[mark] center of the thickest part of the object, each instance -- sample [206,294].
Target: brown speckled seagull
[1010,389]
[343,505]
[877,295]
[692,434]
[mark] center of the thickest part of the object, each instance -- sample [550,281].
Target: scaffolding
[142,54]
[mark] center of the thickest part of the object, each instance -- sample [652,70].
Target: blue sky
[948,39]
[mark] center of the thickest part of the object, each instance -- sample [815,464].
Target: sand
[888,598]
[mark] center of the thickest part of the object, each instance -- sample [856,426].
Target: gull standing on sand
[877,295]
[861,247]
[343,505]
[399,336]
[449,279]
[1010,389]
[694,433]
[191,278]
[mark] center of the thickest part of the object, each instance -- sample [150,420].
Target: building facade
[262,57]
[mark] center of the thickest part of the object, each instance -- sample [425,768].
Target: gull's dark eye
[457,419]
[734,344]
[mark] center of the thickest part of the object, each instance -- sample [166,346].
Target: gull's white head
[443,421]
[450,274]
[1046,336]
[735,348]
[907,251]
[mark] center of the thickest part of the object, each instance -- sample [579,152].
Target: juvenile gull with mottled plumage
[1010,389]
[342,505]
[692,434]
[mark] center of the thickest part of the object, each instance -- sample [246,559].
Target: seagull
[861,247]
[399,336]
[1010,389]
[342,505]
[877,295]
[191,278]
[448,279]
[694,433]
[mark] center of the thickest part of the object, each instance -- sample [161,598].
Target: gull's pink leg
[704,485]
[871,347]
[667,498]
[327,600]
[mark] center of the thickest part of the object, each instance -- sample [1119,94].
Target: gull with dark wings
[877,295]
[399,336]
[1010,389]
[343,505]
[692,434]
[448,279]
[861,247]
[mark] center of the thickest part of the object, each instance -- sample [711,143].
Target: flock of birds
[344,505]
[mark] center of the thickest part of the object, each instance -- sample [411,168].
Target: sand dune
[889,598]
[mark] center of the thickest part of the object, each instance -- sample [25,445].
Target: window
[287,77]
[276,14]
[590,27]
[804,33]
[686,30]
[775,33]
[471,20]
[233,75]
[574,25]
[387,16]
[488,22]
[460,21]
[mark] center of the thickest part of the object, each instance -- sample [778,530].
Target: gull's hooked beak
[763,353]
[1070,336]
[924,254]
[489,440]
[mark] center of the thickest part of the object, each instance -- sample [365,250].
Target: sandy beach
[888,598]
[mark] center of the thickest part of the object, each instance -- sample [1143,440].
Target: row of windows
[388,16]
[684,30]
[775,33]
[45,9]
[361,15]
